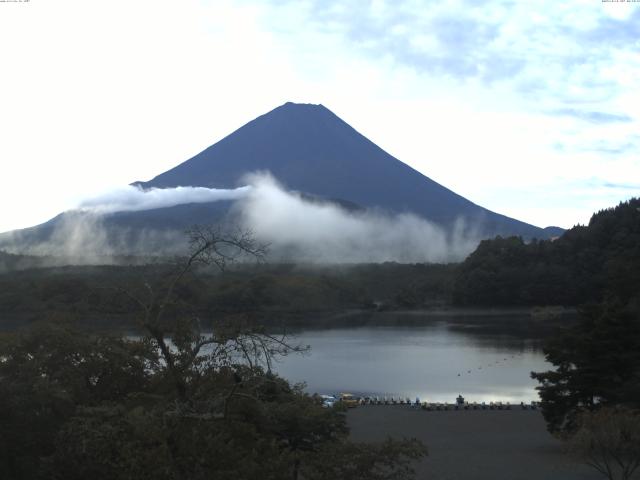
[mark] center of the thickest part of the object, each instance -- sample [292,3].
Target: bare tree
[185,349]
[609,441]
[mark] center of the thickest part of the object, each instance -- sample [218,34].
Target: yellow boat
[349,400]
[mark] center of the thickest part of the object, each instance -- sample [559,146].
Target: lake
[485,358]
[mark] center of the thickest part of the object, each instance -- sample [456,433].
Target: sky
[530,109]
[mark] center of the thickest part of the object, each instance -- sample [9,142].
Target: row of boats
[349,400]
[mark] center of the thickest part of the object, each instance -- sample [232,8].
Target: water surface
[435,361]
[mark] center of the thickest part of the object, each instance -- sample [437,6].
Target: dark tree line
[584,265]
[597,364]
[266,289]
[592,397]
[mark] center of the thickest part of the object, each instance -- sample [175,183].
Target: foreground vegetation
[77,406]
[176,403]
[592,397]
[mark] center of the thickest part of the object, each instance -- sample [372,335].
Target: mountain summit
[310,149]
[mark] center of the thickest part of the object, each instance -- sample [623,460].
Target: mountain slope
[308,149]
[311,150]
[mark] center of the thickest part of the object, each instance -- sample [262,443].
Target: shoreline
[544,318]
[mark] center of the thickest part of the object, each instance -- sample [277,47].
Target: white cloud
[133,199]
[296,228]
[320,232]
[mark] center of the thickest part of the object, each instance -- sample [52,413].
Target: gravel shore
[473,444]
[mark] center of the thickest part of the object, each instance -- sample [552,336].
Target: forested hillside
[584,265]
[94,294]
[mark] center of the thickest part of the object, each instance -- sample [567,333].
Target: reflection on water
[434,361]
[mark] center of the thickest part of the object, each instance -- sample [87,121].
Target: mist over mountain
[309,149]
[300,178]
